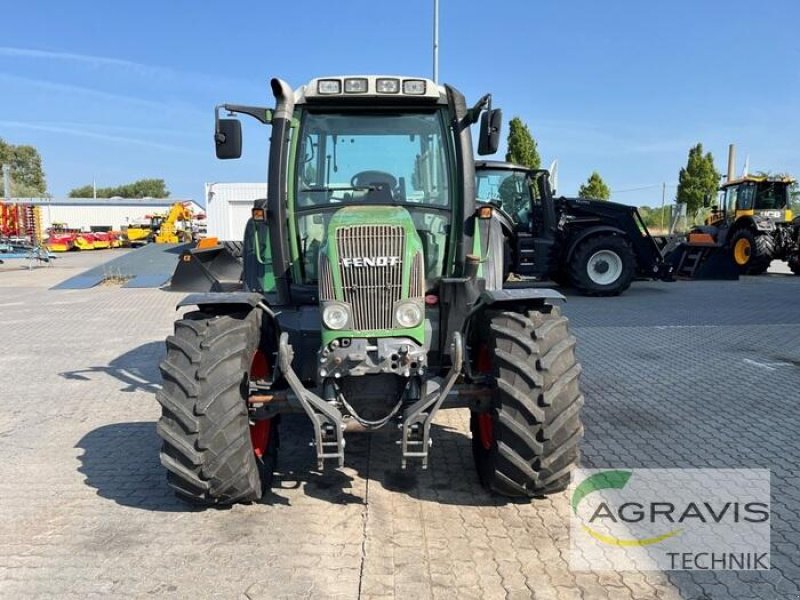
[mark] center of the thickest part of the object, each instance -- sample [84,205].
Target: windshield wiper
[343,188]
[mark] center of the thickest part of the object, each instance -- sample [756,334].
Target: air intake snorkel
[276,187]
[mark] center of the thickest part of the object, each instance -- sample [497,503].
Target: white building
[85,213]
[228,208]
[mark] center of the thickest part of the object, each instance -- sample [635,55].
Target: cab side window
[746,197]
[730,199]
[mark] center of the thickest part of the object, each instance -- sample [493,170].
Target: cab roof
[758,179]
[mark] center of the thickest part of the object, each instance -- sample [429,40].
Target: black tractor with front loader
[597,247]
[372,295]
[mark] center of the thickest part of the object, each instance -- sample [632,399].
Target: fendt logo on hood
[375,261]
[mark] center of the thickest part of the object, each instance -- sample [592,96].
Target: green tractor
[372,294]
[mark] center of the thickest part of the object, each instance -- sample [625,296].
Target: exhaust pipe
[731,162]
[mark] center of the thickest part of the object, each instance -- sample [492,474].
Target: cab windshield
[383,157]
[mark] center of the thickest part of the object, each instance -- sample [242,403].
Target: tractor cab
[763,198]
[524,195]
[368,169]
[524,202]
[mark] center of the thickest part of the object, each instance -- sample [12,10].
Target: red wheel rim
[260,430]
[485,422]
[260,367]
[259,436]
[484,362]
[486,430]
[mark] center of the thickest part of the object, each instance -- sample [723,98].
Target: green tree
[85,191]
[27,174]
[698,180]
[143,188]
[595,188]
[522,148]
[657,219]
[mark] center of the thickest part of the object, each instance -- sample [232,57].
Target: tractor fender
[587,233]
[763,224]
[519,295]
[518,299]
[233,300]
[751,223]
[229,303]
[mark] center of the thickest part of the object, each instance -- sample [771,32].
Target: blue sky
[117,91]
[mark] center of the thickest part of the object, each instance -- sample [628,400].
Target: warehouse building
[228,208]
[86,213]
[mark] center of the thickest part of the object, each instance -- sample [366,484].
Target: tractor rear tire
[204,425]
[527,444]
[602,266]
[752,253]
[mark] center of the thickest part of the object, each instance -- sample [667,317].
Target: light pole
[436,41]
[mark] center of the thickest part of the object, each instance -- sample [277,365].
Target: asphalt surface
[688,374]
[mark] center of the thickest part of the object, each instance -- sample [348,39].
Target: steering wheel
[365,178]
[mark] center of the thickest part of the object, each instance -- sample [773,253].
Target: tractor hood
[371,262]
[591,204]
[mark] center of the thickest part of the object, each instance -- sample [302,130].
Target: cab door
[745,200]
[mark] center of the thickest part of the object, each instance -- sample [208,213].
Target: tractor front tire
[527,444]
[752,253]
[205,428]
[603,265]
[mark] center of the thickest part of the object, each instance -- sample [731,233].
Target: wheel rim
[485,421]
[604,267]
[742,251]
[259,436]
[486,430]
[260,430]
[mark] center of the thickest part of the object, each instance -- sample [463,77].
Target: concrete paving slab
[692,374]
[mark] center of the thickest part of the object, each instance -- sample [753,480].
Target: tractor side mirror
[228,138]
[489,137]
[706,200]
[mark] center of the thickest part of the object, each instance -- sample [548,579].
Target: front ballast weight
[329,422]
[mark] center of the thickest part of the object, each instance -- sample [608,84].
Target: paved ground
[701,374]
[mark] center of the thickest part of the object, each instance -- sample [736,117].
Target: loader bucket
[703,261]
[212,269]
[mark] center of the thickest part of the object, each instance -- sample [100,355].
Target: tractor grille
[417,286]
[371,264]
[325,279]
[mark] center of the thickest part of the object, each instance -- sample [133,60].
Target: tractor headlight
[408,314]
[335,316]
[387,86]
[329,86]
